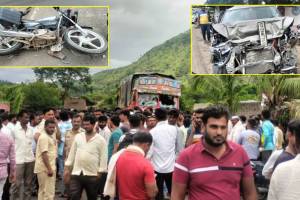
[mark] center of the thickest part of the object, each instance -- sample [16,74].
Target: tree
[225,90]
[15,95]
[41,95]
[66,78]
[276,90]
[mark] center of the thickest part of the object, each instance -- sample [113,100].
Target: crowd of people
[141,155]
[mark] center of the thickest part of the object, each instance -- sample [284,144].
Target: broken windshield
[249,13]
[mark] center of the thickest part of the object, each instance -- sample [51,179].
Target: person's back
[164,147]
[250,140]
[285,181]
[133,170]
[268,132]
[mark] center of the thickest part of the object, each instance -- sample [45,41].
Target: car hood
[248,30]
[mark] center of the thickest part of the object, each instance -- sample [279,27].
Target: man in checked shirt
[7,155]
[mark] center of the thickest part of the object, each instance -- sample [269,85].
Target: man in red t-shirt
[213,168]
[134,173]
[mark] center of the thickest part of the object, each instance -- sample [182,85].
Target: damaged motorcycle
[16,32]
[254,40]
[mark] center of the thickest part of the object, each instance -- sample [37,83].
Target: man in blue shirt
[267,135]
[116,133]
[249,139]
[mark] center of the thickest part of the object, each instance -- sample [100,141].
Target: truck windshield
[156,100]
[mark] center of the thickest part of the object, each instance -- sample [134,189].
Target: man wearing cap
[237,129]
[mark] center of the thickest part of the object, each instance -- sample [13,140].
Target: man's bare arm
[178,191]
[151,190]
[249,190]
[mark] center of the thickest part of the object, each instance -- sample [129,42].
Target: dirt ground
[200,53]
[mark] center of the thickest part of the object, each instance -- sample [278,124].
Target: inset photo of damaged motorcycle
[248,39]
[54,36]
[53,2]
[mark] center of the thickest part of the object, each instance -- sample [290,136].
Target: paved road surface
[200,54]
[95,17]
[53,2]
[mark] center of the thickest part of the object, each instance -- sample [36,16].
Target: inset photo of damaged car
[245,39]
[54,36]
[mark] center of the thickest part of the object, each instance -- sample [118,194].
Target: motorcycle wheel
[9,47]
[92,43]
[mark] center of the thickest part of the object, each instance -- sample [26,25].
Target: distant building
[4,106]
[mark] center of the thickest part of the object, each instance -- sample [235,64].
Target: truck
[146,90]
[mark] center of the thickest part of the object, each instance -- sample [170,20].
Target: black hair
[135,120]
[199,111]
[252,122]
[275,122]
[125,112]
[47,110]
[4,117]
[187,122]
[161,114]
[142,137]
[215,112]
[294,127]
[22,112]
[266,114]
[115,120]
[243,118]
[89,118]
[11,116]
[64,115]
[174,113]
[102,118]
[49,121]
[76,116]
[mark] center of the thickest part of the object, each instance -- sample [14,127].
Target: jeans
[205,32]
[60,163]
[88,183]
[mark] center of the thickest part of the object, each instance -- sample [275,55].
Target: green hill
[172,58]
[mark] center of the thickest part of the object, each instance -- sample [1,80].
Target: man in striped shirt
[213,168]
[7,155]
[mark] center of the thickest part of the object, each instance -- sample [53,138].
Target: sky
[136,27]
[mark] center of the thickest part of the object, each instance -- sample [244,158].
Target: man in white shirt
[173,116]
[103,130]
[88,160]
[23,136]
[12,121]
[236,130]
[165,146]
[286,178]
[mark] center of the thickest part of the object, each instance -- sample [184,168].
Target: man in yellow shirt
[45,167]
[204,24]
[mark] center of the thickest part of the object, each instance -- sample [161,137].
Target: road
[94,17]
[200,54]
[53,2]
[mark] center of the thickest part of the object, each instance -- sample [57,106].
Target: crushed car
[254,40]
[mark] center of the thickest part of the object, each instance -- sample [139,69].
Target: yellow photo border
[76,66]
[226,5]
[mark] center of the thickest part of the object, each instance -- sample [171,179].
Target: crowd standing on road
[143,155]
